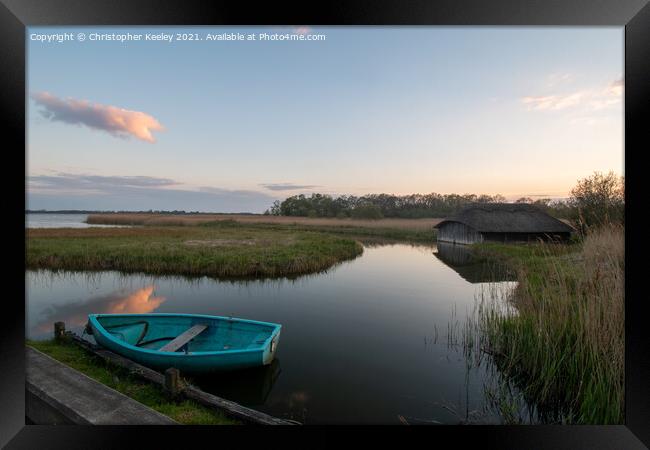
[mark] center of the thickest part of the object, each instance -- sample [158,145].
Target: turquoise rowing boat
[189,342]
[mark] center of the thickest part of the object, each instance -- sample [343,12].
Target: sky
[231,126]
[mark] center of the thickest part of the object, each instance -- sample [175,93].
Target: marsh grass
[357,232]
[222,251]
[416,230]
[195,219]
[563,346]
[185,412]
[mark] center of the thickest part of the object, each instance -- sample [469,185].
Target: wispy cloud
[295,29]
[83,191]
[116,121]
[89,184]
[610,95]
[616,87]
[288,186]
[302,30]
[553,102]
[587,99]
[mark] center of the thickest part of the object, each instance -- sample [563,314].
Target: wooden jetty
[58,394]
[171,383]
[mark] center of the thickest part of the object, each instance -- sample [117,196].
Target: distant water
[36,220]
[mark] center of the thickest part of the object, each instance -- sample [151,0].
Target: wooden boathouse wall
[458,233]
[525,237]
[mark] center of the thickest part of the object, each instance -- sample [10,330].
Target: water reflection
[461,260]
[75,314]
[363,342]
[51,220]
[249,387]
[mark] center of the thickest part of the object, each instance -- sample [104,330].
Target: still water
[365,342]
[36,220]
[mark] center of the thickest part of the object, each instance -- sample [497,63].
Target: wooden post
[59,331]
[172,383]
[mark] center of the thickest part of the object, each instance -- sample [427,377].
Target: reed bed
[197,219]
[563,346]
[409,230]
[217,251]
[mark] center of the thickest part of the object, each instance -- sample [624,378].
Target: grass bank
[185,412]
[218,250]
[564,345]
[414,230]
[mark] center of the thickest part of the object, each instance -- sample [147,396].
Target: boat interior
[186,333]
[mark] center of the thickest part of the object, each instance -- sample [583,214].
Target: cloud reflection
[140,301]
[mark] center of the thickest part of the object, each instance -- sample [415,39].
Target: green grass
[219,250]
[185,412]
[564,346]
[352,231]
[533,262]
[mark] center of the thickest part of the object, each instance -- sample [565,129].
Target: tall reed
[564,346]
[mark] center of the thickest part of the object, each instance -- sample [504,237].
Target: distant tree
[484,199]
[388,205]
[524,200]
[275,209]
[598,200]
[562,209]
[367,211]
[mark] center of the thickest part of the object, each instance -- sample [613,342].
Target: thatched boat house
[501,222]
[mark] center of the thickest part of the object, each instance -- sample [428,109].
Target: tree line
[595,199]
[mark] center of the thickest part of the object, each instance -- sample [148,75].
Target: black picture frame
[634,15]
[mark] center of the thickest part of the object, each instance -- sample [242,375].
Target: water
[40,220]
[365,342]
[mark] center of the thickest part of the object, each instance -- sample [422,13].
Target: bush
[598,200]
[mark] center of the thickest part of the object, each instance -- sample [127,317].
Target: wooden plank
[183,338]
[79,399]
[113,358]
[231,409]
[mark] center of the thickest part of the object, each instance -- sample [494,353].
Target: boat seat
[183,338]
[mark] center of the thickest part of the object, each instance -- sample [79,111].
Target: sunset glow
[234,126]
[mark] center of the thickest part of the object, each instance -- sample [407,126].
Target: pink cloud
[615,88]
[553,102]
[589,99]
[140,301]
[116,121]
[302,30]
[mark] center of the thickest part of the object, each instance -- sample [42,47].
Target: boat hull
[223,346]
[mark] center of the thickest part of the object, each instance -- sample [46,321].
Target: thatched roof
[507,218]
